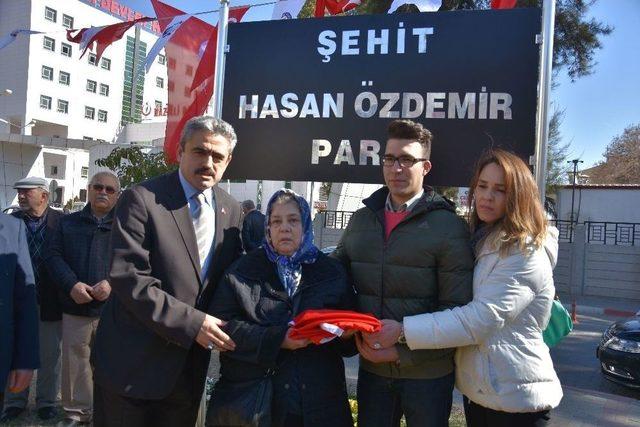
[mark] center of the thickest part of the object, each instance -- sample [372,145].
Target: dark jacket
[253,301]
[79,252]
[425,266]
[253,230]
[48,300]
[18,306]
[146,335]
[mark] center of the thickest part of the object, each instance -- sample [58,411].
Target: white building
[56,94]
[599,203]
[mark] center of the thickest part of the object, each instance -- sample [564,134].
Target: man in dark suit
[252,226]
[172,238]
[40,221]
[18,308]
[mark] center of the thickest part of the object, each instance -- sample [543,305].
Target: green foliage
[133,165]
[557,153]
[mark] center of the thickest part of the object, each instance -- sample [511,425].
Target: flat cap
[32,182]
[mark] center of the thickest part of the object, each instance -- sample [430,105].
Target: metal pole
[573,187]
[222,45]
[546,62]
[311,198]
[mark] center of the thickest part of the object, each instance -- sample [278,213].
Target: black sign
[310,99]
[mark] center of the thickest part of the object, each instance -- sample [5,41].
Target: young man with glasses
[79,258]
[407,253]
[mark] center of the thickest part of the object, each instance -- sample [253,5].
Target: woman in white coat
[503,367]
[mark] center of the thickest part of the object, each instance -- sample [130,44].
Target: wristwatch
[401,337]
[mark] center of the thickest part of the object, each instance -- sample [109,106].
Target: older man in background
[40,221]
[79,257]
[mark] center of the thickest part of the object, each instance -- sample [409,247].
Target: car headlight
[620,344]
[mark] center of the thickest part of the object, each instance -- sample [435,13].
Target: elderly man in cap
[40,221]
[79,259]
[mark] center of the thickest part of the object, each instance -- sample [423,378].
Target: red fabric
[334,7]
[106,36]
[391,220]
[207,65]
[307,324]
[182,60]
[503,4]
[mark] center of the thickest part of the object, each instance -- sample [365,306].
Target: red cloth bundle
[321,326]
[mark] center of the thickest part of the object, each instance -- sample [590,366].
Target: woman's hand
[386,337]
[377,356]
[292,344]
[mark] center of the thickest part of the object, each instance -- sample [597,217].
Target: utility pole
[573,187]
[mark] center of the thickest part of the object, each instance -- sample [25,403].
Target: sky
[597,107]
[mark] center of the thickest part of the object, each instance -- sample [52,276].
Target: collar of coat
[430,201]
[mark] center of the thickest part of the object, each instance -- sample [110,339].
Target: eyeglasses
[99,187]
[404,161]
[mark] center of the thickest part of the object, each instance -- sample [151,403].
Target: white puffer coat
[502,362]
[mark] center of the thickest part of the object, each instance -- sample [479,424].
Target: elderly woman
[271,379]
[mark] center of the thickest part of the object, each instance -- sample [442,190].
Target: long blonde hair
[524,221]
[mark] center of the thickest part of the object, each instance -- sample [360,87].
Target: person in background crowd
[18,308]
[503,366]
[288,276]
[40,221]
[173,237]
[252,226]
[79,258]
[407,253]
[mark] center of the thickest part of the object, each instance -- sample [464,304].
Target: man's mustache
[205,171]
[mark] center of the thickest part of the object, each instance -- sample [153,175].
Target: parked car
[619,352]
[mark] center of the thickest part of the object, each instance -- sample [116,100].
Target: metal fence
[613,233]
[337,219]
[565,229]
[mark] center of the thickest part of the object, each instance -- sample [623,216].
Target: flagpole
[544,87]
[220,54]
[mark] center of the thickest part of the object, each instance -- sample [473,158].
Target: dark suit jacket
[18,307]
[147,331]
[252,230]
[48,298]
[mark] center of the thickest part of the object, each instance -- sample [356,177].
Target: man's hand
[376,356]
[81,293]
[386,337]
[19,379]
[291,344]
[101,290]
[212,336]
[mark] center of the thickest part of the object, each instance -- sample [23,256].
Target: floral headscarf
[290,267]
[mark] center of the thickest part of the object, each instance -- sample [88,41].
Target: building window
[102,116]
[91,86]
[89,112]
[84,172]
[162,59]
[187,91]
[93,59]
[63,106]
[66,49]
[287,185]
[189,70]
[54,170]
[49,44]
[67,21]
[105,63]
[50,14]
[160,82]
[64,78]
[47,73]
[45,102]
[104,89]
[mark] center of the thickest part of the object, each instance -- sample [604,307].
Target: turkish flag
[503,4]
[103,36]
[183,57]
[334,7]
[321,325]
[207,65]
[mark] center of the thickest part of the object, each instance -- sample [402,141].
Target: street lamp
[573,187]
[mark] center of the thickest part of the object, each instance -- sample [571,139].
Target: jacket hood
[551,245]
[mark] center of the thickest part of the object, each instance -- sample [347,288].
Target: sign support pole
[544,86]
[218,86]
